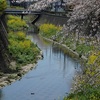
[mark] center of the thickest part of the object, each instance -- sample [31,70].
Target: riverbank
[83,48]
[69,51]
[90,75]
[56,70]
[23,52]
[8,78]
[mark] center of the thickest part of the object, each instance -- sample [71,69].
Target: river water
[51,79]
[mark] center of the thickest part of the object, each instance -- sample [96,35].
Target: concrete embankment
[57,20]
[69,51]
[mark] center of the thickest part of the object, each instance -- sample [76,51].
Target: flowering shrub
[15,23]
[25,44]
[20,35]
[49,29]
[22,50]
[92,59]
[3,5]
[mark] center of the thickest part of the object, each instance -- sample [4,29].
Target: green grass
[82,48]
[90,93]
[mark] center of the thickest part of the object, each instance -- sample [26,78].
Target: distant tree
[3,5]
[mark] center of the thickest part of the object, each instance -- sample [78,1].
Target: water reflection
[1,94]
[64,58]
[64,67]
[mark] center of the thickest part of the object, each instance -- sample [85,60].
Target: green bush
[22,49]
[3,5]
[15,23]
[49,30]
[89,94]
[69,42]
[82,48]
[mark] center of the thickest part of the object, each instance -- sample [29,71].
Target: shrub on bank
[22,50]
[15,23]
[3,6]
[90,94]
[92,59]
[49,30]
[83,48]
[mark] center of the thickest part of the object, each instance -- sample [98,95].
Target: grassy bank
[22,50]
[24,53]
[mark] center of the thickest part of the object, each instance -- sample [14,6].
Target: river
[51,79]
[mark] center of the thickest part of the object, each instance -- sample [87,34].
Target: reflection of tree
[56,49]
[0,94]
[64,66]
[59,52]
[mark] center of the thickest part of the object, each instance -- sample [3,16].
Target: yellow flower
[92,59]
[25,44]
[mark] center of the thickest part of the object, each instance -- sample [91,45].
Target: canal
[51,79]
